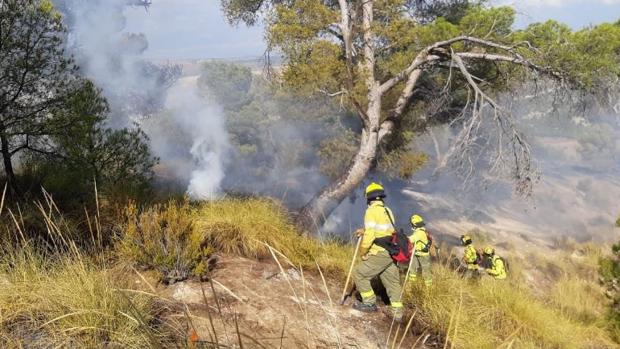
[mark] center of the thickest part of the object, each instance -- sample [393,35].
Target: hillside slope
[274,309]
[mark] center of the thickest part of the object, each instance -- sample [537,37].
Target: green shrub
[162,237]
[609,272]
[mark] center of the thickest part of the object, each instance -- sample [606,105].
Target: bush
[618,222]
[178,239]
[84,149]
[162,237]
[610,276]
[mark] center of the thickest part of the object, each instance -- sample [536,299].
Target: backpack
[479,258]
[398,245]
[429,243]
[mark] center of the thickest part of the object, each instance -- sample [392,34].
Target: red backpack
[398,244]
[403,248]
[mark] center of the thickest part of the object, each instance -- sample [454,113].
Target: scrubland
[64,286]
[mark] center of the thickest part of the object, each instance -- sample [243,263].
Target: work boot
[367,308]
[397,313]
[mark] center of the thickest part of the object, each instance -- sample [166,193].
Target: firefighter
[376,260]
[421,242]
[470,257]
[497,266]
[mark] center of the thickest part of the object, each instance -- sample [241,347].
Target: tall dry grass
[494,314]
[53,301]
[57,293]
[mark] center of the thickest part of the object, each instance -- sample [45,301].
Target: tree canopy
[35,75]
[52,119]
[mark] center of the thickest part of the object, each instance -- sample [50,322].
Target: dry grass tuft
[251,225]
[178,238]
[51,301]
[579,299]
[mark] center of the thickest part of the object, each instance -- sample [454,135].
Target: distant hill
[191,67]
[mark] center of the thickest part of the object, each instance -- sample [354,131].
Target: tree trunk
[315,213]
[312,216]
[8,164]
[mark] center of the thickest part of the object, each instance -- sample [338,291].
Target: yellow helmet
[466,240]
[489,251]
[417,221]
[374,191]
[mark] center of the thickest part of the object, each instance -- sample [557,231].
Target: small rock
[185,293]
[293,274]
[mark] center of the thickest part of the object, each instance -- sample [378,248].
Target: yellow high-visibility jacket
[498,269]
[419,239]
[377,224]
[470,257]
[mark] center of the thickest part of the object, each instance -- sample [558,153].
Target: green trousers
[383,266]
[421,265]
[471,271]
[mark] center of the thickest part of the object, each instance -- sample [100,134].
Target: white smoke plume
[204,123]
[144,93]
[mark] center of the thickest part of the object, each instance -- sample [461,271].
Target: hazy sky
[197,29]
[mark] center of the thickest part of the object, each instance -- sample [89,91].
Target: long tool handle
[346,283]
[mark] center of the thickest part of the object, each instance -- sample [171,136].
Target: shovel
[346,284]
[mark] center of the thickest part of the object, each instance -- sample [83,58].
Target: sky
[195,29]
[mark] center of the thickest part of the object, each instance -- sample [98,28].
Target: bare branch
[421,59]
[435,52]
[332,94]
[367,65]
[475,40]
[345,30]
[515,60]
[510,141]
[347,38]
[388,125]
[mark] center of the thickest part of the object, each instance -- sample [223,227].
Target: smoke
[577,153]
[286,165]
[140,92]
[204,124]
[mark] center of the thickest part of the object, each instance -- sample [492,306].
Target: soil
[279,310]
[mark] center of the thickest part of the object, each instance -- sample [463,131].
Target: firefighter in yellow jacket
[497,266]
[470,257]
[376,260]
[421,263]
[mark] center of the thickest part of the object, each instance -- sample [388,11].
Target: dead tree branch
[513,153]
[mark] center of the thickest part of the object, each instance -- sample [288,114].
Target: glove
[359,232]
